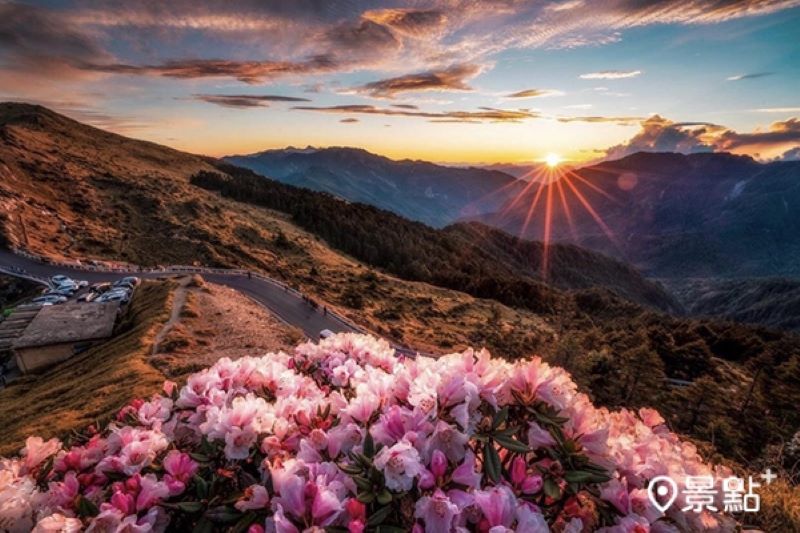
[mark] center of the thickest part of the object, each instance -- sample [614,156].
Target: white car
[63,290]
[133,281]
[58,279]
[114,296]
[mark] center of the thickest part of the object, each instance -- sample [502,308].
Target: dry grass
[91,386]
[215,322]
[780,508]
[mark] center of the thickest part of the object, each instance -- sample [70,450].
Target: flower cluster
[345,436]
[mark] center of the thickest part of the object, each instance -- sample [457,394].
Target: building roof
[69,322]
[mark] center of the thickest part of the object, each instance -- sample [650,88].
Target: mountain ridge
[424,191]
[676,215]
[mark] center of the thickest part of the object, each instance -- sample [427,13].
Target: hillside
[68,189]
[773,302]
[434,194]
[678,216]
[569,267]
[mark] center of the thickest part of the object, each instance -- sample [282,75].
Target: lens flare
[558,194]
[552,160]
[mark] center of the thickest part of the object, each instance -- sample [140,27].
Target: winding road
[286,304]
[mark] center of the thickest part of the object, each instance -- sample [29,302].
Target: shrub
[344,436]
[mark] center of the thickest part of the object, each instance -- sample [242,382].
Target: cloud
[309,37]
[793,154]
[778,134]
[411,22]
[405,106]
[453,78]
[349,120]
[611,74]
[250,72]
[659,134]
[751,76]
[245,100]
[622,121]
[778,110]
[535,93]
[483,114]
[36,39]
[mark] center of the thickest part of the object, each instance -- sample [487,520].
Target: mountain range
[673,215]
[434,194]
[670,215]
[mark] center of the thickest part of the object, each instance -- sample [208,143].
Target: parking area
[78,297]
[62,288]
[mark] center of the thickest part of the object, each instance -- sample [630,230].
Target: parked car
[100,287]
[66,293]
[50,299]
[88,296]
[112,296]
[133,281]
[325,333]
[58,279]
[126,286]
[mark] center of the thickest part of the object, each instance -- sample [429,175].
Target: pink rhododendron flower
[58,523]
[36,451]
[497,505]
[400,465]
[255,497]
[437,512]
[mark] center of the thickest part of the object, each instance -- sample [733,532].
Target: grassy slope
[93,385]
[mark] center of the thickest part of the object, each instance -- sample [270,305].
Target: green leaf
[491,462]
[499,417]
[369,445]
[349,469]
[390,529]
[200,487]
[365,497]
[199,457]
[186,507]
[203,525]
[363,483]
[379,516]
[551,489]
[582,476]
[87,508]
[384,497]
[223,514]
[511,444]
[244,523]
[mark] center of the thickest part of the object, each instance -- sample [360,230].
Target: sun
[552,160]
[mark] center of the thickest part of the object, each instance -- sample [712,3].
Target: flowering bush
[344,436]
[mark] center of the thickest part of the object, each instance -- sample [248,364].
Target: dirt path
[178,301]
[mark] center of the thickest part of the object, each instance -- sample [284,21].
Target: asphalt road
[287,305]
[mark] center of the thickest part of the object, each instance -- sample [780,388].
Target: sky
[451,81]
